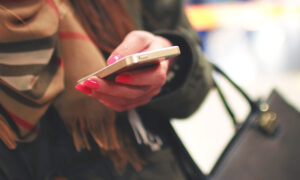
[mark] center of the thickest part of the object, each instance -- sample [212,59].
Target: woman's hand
[133,88]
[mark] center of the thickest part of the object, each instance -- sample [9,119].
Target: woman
[115,129]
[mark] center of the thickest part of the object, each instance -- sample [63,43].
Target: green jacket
[193,79]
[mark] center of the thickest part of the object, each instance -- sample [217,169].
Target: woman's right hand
[134,88]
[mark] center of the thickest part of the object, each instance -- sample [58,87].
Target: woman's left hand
[133,88]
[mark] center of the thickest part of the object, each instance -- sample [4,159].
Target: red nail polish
[91,84]
[83,89]
[113,59]
[123,78]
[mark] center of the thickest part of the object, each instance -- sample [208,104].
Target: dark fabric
[253,155]
[52,154]
[191,83]
[171,140]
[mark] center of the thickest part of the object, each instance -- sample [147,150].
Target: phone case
[138,60]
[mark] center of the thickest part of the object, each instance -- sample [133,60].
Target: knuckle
[140,36]
[162,78]
[146,101]
[135,94]
[118,107]
[156,92]
[140,103]
[132,96]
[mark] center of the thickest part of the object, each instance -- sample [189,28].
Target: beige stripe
[42,22]
[55,86]
[21,83]
[27,58]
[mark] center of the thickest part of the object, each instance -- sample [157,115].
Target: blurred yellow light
[202,17]
[248,14]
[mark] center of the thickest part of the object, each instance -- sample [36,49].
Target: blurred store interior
[257,43]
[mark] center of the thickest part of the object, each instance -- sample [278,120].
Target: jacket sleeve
[191,76]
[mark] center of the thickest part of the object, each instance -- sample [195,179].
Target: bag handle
[266,121]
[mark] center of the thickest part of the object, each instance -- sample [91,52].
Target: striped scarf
[44,50]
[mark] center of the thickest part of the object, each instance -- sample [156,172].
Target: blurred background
[257,43]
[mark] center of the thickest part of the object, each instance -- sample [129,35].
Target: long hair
[107,22]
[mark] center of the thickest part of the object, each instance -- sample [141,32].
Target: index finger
[134,42]
[149,76]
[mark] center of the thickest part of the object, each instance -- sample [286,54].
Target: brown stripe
[11,1]
[44,43]
[14,70]
[21,98]
[44,79]
[15,3]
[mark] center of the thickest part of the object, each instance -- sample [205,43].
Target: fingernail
[91,84]
[113,59]
[83,89]
[123,78]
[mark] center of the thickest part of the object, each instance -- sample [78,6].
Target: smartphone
[135,61]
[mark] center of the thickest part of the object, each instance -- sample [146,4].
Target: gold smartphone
[134,61]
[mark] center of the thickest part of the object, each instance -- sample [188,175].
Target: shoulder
[162,14]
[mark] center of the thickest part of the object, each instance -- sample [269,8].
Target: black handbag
[266,146]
